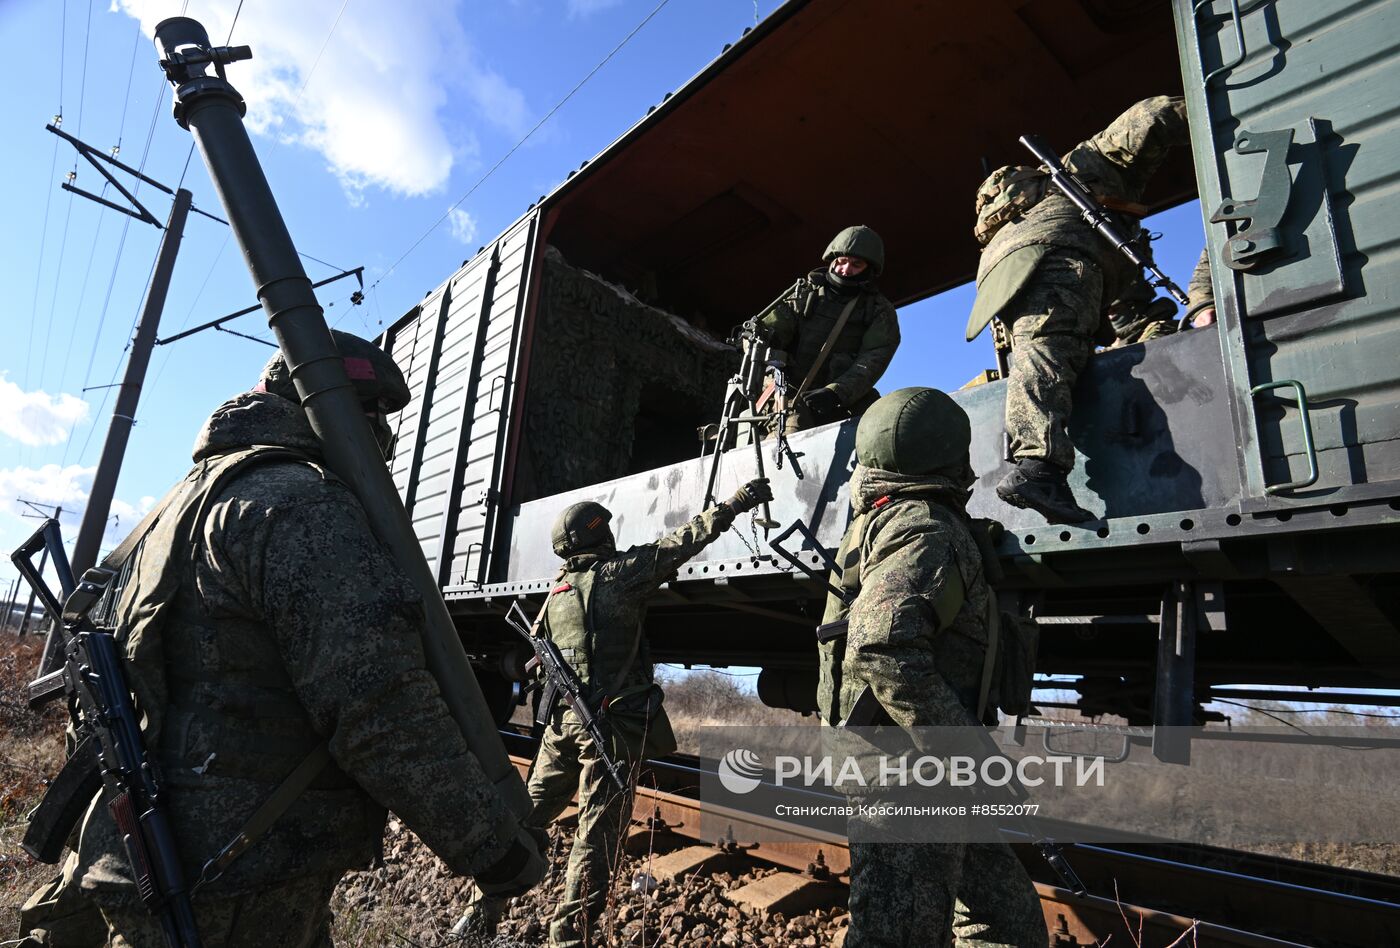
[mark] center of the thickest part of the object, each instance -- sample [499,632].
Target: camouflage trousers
[921,894]
[1052,323]
[567,763]
[58,915]
[295,914]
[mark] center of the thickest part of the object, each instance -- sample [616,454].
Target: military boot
[483,914]
[1041,486]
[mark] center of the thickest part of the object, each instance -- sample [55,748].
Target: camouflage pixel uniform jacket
[917,638]
[290,626]
[801,322]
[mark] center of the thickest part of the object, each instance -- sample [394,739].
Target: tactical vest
[214,690]
[835,695]
[603,658]
[818,310]
[1005,195]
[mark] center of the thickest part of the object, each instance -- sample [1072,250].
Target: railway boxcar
[1244,477]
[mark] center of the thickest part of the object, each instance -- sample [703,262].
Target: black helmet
[915,431]
[376,377]
[582,526]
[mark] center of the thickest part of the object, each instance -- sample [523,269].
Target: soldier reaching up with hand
[595,616]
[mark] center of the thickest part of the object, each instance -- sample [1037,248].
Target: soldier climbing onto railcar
[594,615]
[836,330]
[1046,276]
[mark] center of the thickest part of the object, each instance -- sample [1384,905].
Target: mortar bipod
[741,398]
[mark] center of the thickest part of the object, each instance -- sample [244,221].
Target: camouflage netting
[616,386]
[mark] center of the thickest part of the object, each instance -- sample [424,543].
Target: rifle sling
[268,812]
[990,660]
[828,345]
[55,821]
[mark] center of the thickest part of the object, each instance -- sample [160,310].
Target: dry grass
[703,699]
[31,751]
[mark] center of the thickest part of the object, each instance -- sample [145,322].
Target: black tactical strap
[990,661]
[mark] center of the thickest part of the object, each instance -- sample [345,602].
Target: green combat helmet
[916,431]
[379,385]
[374,374]
[859,241]
[582,526]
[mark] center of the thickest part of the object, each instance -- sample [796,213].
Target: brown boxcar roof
[837,112]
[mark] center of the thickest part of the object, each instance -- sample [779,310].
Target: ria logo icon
[740,770]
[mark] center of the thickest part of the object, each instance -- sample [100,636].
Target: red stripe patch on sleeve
[562,588]
[359,369]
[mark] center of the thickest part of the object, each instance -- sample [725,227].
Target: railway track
[1154,895]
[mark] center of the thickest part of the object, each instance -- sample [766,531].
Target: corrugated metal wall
[459,352]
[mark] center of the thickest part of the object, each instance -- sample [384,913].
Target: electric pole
[104,482]
[10,604]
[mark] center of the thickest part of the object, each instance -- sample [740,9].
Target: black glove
[823,405]
[751,495]
[518,871]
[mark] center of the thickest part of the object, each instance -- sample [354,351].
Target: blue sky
[372,120]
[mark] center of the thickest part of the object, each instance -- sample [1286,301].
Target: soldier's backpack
[1008,192]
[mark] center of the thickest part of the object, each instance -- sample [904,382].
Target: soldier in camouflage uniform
[917,638]
[1200,293]
[272,625]
[595,615]
[1047,275]
[843,383]
[1138,317]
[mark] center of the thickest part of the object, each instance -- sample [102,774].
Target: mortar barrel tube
[213,111]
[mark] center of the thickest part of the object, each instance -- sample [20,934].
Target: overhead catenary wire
[126,98]
[82,82]
[526,137]
[87,376]
[121,129]
[39,270]
[1271,712]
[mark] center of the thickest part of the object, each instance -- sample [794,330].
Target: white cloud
[67,487]
[581,8]
[463,225]
[36,418]
[377,105]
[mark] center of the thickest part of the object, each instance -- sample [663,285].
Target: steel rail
[1279,910]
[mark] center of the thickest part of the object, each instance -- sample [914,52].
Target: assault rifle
[110,752]
[1098,218]
[561,683]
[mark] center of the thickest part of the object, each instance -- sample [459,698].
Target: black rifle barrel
[213,111]
[1098,218]
[562,683]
